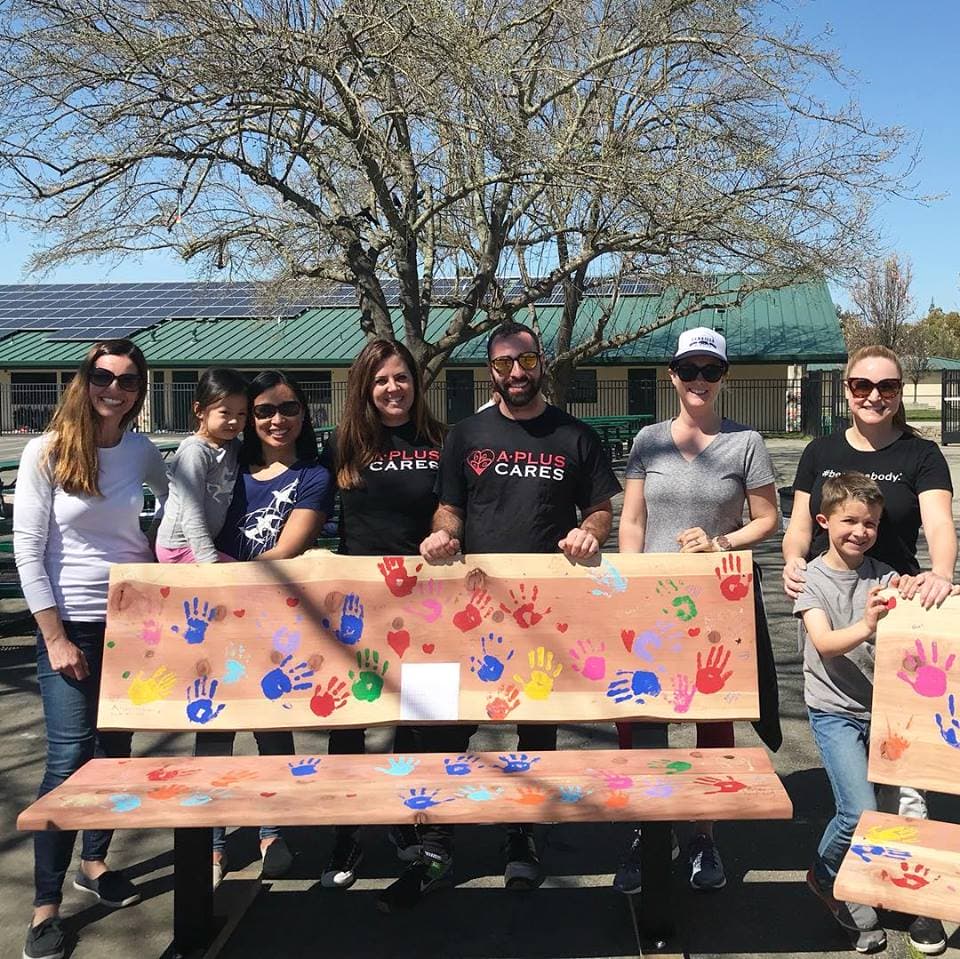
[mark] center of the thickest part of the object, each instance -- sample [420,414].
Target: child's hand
[876,608]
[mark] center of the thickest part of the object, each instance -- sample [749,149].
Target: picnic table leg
[193,926]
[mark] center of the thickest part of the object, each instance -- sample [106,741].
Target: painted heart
[239,613]
[693,632]
[628,636]
[399,641]
[267,795]
[164,591]
[479,460]
[562,627]
[428,648]
[292,601]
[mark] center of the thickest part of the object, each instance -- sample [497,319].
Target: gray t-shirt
[202,478]
[840,684]
[708,492]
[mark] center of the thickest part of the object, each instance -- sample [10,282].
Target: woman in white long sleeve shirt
[78,501]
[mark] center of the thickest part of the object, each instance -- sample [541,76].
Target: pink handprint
[614,781]
[429,608]
[683,693]
[588,659]
[152,632]
[928,678]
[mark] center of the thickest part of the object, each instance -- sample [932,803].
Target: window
[583,389]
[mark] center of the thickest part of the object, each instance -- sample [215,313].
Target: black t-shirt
[520,482]
[391,513]
[904,469]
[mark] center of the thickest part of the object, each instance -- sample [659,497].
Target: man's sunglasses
[504,364]
[861,387]
[267,411]
[128,382]
[688,372]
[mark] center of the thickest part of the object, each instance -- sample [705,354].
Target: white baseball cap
[698,341]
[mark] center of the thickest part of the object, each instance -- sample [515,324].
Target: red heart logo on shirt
[479,460]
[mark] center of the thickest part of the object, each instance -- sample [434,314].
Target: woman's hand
[794,577]
[695,540]
[931,587]
[66,658]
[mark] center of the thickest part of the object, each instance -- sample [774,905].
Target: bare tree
[420,152]
[916,343]
[883,298]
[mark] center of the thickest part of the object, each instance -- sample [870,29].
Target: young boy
[839,610]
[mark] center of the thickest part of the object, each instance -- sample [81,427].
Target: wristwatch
[723,542]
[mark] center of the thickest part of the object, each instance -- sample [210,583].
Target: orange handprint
[170,791]
[530,796]
[230,778]
[505,701]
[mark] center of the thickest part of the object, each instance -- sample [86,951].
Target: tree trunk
[559,380]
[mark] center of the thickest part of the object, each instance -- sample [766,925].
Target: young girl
[203,471]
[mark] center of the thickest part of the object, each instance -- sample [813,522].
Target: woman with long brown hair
[77,511]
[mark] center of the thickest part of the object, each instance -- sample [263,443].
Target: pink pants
[183,554]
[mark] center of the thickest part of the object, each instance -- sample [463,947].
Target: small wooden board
[572,785]
[908,865]
[915,731]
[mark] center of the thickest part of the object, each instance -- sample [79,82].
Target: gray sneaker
[706,867]
[858,921]
[45,940]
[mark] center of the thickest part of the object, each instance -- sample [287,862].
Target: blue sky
[905,61]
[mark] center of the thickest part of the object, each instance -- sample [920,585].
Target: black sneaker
[432,871]
[112,889]
[277,859]
[706,868]
[340,871]
[628,877]
[927,936]
[406,841]
[45,940]
[523,864]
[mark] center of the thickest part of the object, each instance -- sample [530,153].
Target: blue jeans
[843,742]
[70,717]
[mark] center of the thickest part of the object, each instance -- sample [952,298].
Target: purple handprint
[282,680]
[197,621]
[488,666]
[928,678]
[200,701]
[286,641]
[683,693]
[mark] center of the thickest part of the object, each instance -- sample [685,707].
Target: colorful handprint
[637,685]
[490,662]
[950,730]
[683,693]
[517,763]
[924,675]
[395,575]
[607,580]
[304,767]
[723,784]
[542,673]
[325,701]
[154,688]
[399,766]
[421,799]
[588,660]
[351,620]
[197,619]
[284,679]
[152,633]
[734,584]
[475,612]
[524,610]
[503,702]
[200,708]
[368,682]
[711,677]
[681,604]
[461,766]
[235,667]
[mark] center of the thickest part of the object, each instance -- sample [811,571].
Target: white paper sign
[430,691]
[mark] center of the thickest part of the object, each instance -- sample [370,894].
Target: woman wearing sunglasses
[687,481]
[280,502]
[78,503]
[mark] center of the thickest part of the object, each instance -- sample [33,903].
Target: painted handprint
[430,606]
[887,834]
[681,604]
[617,800]
[588,660]
[615,781]
[542,673]
[643,645]
[503,702]
[475,612]
[869,853]
[351,620]
[950,733]
[529,796]
[325,701]
[151,633]
[233,777]
[723,784]
[368,682]
[924,675]
[734,584]
[711,677]
[634,684]
[125,802]
[197,620]
[490,663]
[286,641]
[169,791]
[481,793]
[659,789]
[200,708]
[197,799]
[421,799]
[572,794]
[683,693]
[461,766]
[908,878]
[607,580]
[165,773]
[517,763]
[154,688]
[285,679]
[235,667]
[524,610]
[395,575]
[399,766]
[672,768]
[304,767]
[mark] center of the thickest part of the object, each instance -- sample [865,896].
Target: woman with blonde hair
[77,511]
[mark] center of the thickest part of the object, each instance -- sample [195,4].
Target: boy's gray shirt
[839,684]
[202,478]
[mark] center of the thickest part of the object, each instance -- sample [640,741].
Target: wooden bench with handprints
[326,640]
[912,865]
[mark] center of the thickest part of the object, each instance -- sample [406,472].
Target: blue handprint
[195,630]
[480,793]
[866,853]
[399,766]
[950,734]
[304,767]
[461,766]
[512,763]
[421,799]
[200,701]
[280,680]
[488,666]
[607,579]
[571,794]
[125,802]
[196,799]
[640,683]
[351,620]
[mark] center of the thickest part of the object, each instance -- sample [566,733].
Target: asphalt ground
[765,909]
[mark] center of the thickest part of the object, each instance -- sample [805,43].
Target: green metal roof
[797,324]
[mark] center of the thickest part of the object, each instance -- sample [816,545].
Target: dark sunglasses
[128,382]
[688,372]
[267,411]
[504,364]
[861,387]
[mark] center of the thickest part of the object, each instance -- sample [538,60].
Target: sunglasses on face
[504,364]
[128,382]
[688,372]
[267,411]
[861,387]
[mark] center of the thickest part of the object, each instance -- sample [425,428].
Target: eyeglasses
[267,411]
[504,364]
[861,387]
[128,382]
[688,372]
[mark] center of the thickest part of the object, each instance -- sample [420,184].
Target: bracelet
[723,542]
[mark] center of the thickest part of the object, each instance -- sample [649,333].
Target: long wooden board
[909,865]
[328,640]
[572,785]
[915,732]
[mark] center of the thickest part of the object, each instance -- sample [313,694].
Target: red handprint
[728,785]
[333,697]
[524,611]
[915,879]
[505,701]
[711,678]
[734,584]
[167,772]
[171,791]
[477,610]
[395,575]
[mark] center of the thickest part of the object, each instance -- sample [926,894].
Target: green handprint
[368,685]
[684,608]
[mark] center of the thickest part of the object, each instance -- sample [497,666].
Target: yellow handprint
[542,673]
[155,687]
[882,835]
